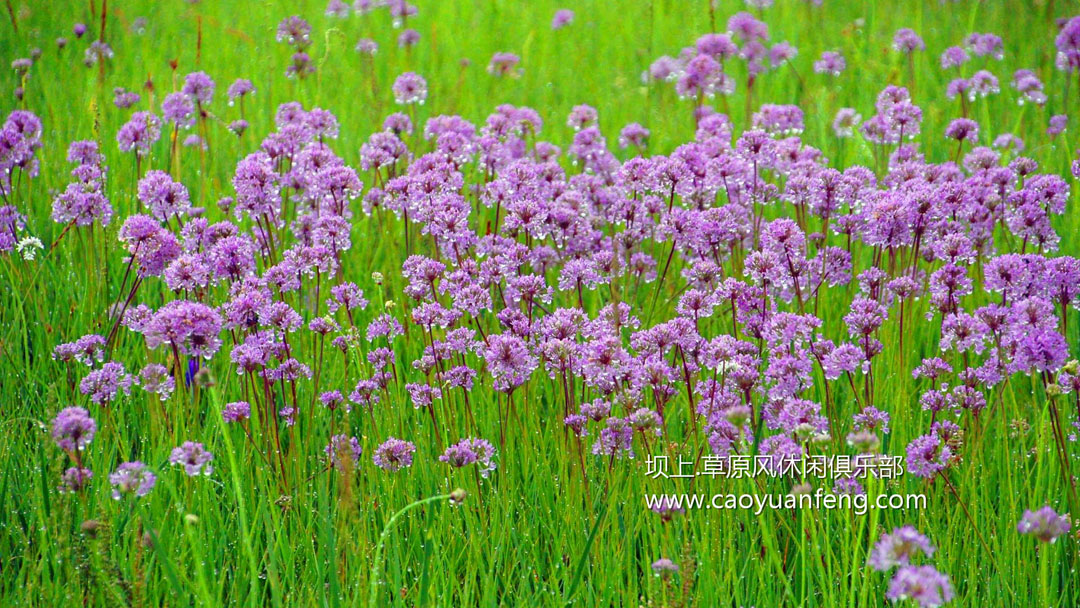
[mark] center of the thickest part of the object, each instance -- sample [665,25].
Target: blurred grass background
[525,541]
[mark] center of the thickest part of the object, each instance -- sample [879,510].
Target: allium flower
[190,327]
[408,38]
[845,122]
[87,350]
[237,411]
[139,133]
[410,88]
[295,32]
[156,380]
[581,116]
[927,456]
[367,46]
[394,454]
[193,457]
[1057,125]
[922,584]
[123,98]
[963,129]
[953,57]
[164,197]
[615,440]
[504,64]
[1044,524]
[300,66]
[633,134]
[73,429]
[509,361]
[75,480]
[178,108]
[907,41]
[200,87]
[97,53]
[343,452]
[239,89]
[103,385]
[132,478]
[831,63]
[664,567]
[563,17]
[896,549]
[469,451]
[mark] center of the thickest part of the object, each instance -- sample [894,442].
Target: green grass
[533,534]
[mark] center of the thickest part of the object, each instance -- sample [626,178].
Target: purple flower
[73,429]
[132,478]
[410,88]
[103,385]
[193,457]
[927,456]
[156,380]
[504,64]
[1044,524]
[343,452]
[178,108]
[907,41]
[164,197]
[240,88]
[563,17]
[87,350]
[190,327]
[408,38]
[831,63]
[953,57]
[1057,125]
[139,133]
[394,454]
[845,122]
[295,32]
[237,411]
[469,451]
[75,480]
[922,584]
[509,361]
[664,567]
[962,129]
[896,549]
[200,87]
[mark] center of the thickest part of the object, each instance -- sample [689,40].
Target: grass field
[562,519]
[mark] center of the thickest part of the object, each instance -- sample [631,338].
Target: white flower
[28,247]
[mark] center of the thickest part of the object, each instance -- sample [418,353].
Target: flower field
[640,303]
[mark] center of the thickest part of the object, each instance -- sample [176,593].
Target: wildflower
[927,456]
[664,567]
[469,451]
[28,247]
[73,429]
[103,385]
[410,88]
[193,457]
[132,478]
[563,17]
[394,454]
[830,63]
[75,480]
[1044,524]
[237,411]
[504,64]
[896,549]
[343,451]
[922,584]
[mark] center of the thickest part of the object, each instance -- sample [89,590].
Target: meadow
[406,304]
